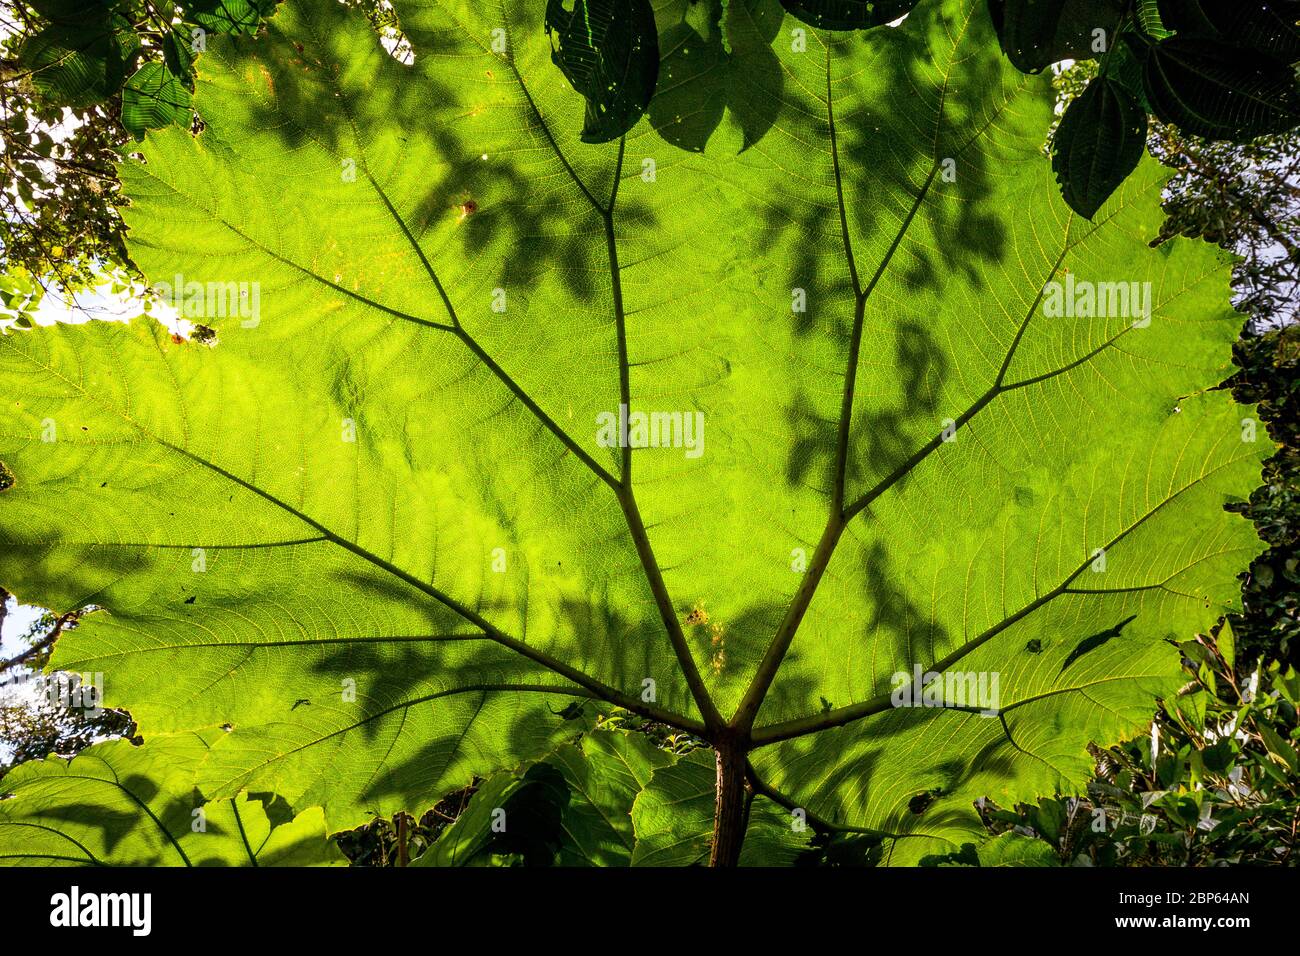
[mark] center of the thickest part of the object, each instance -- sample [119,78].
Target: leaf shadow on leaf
[134,792]
[114,826]
[1095,641]
[872,743]
[959,210]
[457,665]
[900,630]
[882,438]
[94,569]
[480,201]
[969,224]
[714,62]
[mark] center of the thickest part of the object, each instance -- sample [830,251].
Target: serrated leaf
[179,56]
[1099,142]
[1149,22]
[585,822]
[81,63]
[228,16]
[116,804]
[605,773]
[465,841]
[609,50]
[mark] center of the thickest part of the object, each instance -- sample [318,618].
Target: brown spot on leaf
[697,616]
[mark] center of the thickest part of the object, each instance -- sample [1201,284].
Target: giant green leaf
[375,528]
[116,804]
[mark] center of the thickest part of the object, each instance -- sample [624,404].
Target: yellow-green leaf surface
[116,804]
[387,476]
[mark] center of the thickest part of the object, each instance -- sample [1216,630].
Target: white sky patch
[15,692]
[18,620]
[107,302]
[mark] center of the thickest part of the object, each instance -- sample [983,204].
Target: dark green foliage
[1269,629]
[1219,91]
[1037,33]
[1223,71]
[1099,142]
[1219,786]
[609,51]
[1266,25]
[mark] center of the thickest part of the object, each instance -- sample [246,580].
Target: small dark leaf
[1123,65]
[1147,13]
[848,14]
[228,16]
[178,56]
[71,11]
[1099,142]
[920,801]
[609,51]
[78,65]
[153,98]
[1218,91]
[1036,33]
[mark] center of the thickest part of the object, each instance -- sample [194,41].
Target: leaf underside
[390,479]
